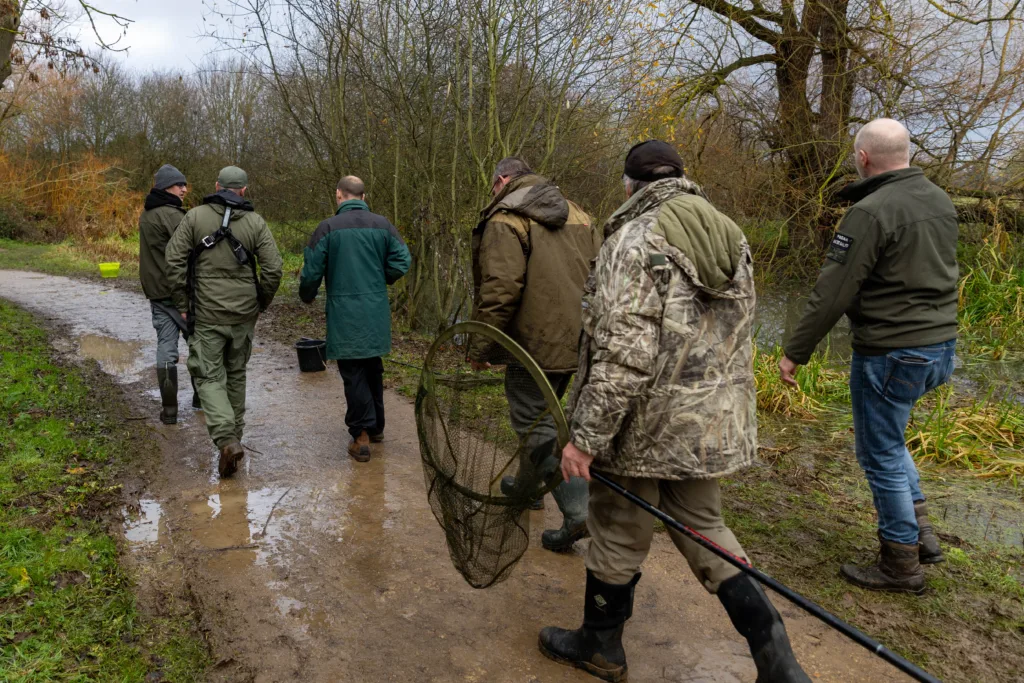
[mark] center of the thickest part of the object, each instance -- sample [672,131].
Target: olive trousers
[621,533]
[217,356]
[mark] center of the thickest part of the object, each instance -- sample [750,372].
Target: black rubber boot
[196,405]
[562,540]
[757,620]
[929,551]
[595,647]
[167,378]
[508,488]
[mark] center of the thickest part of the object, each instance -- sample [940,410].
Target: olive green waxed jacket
[532,251]
[224,289]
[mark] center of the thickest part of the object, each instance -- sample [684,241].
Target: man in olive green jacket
[892,269]
[532,252]
[163,212]
[213,259]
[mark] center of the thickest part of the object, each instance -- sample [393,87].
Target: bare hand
[184,316]
[575,463]
[479,367]
[787,370]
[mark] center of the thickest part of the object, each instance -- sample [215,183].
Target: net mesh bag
[489,446]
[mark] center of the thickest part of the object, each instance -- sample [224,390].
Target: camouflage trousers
[621,533]
[217,356]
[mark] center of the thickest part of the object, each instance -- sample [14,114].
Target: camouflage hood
[533,197]
[665,386]
[687,220]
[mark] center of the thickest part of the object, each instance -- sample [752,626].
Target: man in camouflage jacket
[665,404]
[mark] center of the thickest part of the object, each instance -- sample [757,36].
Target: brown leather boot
[898,570]
[930,552]
[359,449]
[377,438]
[229,457]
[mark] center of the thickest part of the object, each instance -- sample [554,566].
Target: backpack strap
[242,255]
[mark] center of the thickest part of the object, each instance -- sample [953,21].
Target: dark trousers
[364,394]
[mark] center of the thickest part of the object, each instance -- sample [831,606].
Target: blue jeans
[883,390]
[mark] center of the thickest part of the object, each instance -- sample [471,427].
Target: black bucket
[312,354]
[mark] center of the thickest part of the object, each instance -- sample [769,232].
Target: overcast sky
[163,35]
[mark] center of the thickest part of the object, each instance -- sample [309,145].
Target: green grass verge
[67,608]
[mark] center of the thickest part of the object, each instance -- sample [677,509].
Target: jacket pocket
[908,376]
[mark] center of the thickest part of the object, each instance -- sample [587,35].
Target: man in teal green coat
[360,254]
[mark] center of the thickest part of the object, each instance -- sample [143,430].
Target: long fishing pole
[800,601]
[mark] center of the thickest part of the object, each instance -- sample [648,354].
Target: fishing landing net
[489,443]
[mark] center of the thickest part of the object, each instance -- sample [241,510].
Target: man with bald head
[892,269]
[360,254]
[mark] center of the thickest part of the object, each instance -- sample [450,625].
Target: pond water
[779,311]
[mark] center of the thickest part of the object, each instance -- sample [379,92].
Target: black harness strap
[242,255]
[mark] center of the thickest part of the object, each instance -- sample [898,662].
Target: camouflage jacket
[666,369]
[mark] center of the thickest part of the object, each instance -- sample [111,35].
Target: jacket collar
[650,197]
[352,205]
[860,189]
[157,198]
[228,198]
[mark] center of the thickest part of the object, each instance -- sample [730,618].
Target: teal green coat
[360,254]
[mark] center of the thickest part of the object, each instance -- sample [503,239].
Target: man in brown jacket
[532,252]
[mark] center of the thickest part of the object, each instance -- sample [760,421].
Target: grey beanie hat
[168,176]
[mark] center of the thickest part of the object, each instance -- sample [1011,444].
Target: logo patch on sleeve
[840,247]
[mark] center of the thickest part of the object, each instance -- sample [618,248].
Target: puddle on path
[143,528]
[118,358]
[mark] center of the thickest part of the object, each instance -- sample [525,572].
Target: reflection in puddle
[114,356]
[143,528]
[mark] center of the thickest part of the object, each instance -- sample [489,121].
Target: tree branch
[747,19]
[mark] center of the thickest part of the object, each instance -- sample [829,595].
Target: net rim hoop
[518,352]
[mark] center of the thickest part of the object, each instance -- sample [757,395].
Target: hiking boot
[359,449]
[508,488]
[562,540]
[595,647]
[167,378]
[757,620]
[929,551]
[229,457]
[898,570]
[196,405]
[377,438]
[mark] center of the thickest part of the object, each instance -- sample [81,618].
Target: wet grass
[67,608]
[78,258]
[807,510]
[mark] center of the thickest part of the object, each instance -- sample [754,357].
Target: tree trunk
[10,21]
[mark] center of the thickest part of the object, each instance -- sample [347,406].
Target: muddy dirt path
[308,566]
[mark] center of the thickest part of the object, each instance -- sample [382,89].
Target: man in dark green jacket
[224,269]
[163,211]
[892,269]
[360,254]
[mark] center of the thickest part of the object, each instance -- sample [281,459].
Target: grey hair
[510,167]
[632,185]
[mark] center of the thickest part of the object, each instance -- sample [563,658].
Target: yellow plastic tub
[110,269]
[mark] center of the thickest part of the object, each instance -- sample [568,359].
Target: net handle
[492,333]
